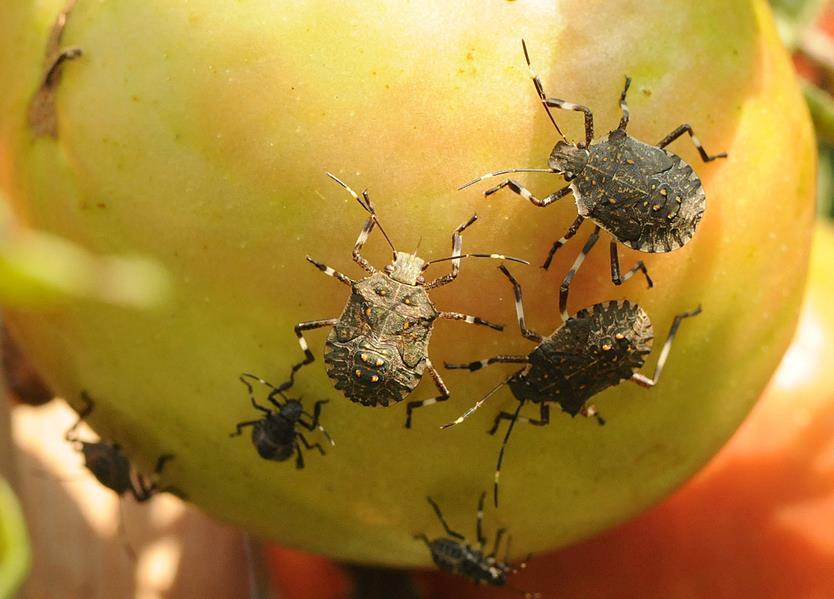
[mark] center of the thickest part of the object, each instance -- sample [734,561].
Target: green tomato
[198,134]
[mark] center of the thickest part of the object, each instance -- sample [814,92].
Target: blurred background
[757,522]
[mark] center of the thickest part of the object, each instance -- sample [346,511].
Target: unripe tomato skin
[198,134]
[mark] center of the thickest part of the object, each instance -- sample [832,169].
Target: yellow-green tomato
[198,133]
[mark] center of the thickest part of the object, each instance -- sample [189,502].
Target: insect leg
[565,287]
[309,445]
[424,538]
[589,116]
[518,188]
[441,386]
[470,319]
[360,242]
[519,307]
[499,534]
[479,532]
[85,411]
[563,240]
[308,355]
[623,106]
[448,530]
[315,423]
[513,418]
[685,128]
[243,379]
[330,272]
[241,425]
[142,489]
[473,366]
[457,244]
[645,381]
[299,458]
[615,268]
[590,411]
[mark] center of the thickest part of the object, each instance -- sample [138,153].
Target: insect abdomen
[370,372]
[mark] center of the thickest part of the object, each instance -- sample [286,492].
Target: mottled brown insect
[457,555]
[108,463]
[645,196]
[377,350]
[596,348]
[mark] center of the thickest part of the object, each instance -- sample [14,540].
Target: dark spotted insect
[109,464]
[645,196]
[456,555]
[377,349]
[596,348]
[276,436]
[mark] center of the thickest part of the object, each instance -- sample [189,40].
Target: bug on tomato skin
[276,436]
[455,554]
[107,461]
[377,350]
[596,348]
[648,198]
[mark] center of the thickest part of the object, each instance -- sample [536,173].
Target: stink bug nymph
[596,348]
[456,555]
[108,463]
[377,349]
[276,436]
[646,197]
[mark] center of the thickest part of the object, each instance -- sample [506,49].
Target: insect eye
[421,280]
[389,268]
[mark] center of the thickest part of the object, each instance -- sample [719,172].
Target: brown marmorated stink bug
[456,555]
[645,196]
[596,348]
[108,463]
[377,349]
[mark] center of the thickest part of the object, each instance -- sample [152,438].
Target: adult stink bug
[596,348]
[456,555]
[377,349]
[276,435]
[109,464]
[645,196]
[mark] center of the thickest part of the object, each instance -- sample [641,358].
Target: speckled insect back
[596,348]
[108,463]
[646,197]
[277,436]
[377,350]
[456,555]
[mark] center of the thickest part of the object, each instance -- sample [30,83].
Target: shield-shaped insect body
[596,348]
[377,350]
[645,196]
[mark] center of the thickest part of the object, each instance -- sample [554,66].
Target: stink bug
[276,435]
[108,463]
[596,348]
[377,349]
[645,196]
[456,555]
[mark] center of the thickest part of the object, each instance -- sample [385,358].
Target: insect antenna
[501,453]
[367,205]
[540,90]
[504,172]
[479,403]
[495,256]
